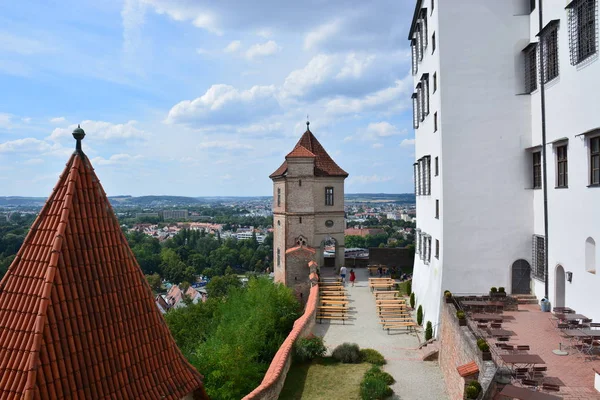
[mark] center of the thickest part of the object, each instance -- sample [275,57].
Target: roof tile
[77,317]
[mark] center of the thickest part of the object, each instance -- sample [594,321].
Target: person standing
[343,274]
[352,277]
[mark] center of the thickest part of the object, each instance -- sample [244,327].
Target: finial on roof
[78,134]
[307,123]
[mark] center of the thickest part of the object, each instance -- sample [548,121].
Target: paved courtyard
[415,379]
[575,375]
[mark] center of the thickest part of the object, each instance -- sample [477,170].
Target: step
[524,296]
[528,301]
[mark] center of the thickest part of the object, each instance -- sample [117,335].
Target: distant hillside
[14,201]
[381,197]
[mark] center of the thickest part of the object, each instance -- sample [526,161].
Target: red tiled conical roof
[77,317]
[324,164]
[300,152]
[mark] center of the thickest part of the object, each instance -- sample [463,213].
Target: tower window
[595,161]
[299,182]
[537,170]
[562,174]
[583,36]
[329,196]
[278,257]
[300,218]
[278,197]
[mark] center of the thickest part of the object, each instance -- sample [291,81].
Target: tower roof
[309,146]
[77,317]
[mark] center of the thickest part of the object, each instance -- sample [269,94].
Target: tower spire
[307,123]
[78,134]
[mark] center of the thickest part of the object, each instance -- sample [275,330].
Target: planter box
[462,322]
[486,356]
[498,294]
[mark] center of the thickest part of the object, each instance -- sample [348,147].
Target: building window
[421,101]
[537,169]
[437,249]
[278,197]
[419,33]
[590,255]
[415,176]
[437,166]
[278,257]
[424,95]
[415,101]
[595,161]
[329,196]
[433,43]
[530,62]
[300,219]
[538,257]
[434,82]
[427,180]
[417,241]
[299,182]
[435,122]
[424,27]
[562,177]
[428,259]
[437,209]
[582,29]
[549,42]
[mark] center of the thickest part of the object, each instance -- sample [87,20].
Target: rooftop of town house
[77,317]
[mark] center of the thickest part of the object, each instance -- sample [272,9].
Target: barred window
[433,43]
[415,101]
[537,169]
[416,174]
[549,42]
[562,178]
[437,249]
[428,249]
[419,33]
[434,82]
[424,95]
[583,35]
[435,122]
[437,166]
[426,175]
[418,241]
[539,250]
[278,197]
[424,27]
[437,208]
[329,196]
[421,99]
[595,161]
[413,52]
[530,58]
[422,246]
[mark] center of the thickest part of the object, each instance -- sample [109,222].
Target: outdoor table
[522,359]
[488,317]
[515,392]
[572,317]
[581,333]
[501,332]
[563,310]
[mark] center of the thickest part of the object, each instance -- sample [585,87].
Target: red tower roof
[324,164]
[77,317]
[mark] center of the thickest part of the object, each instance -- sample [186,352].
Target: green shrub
[348,353]
[373,388]
[428,331]
[372,356]
[409,287]
[447,293]
[493,289]
[471,392]
[309,348]
[483,346]
[420,315]
[501,290]
[476,385]
[460,314]
[378,373]
[412,300]
[480,341]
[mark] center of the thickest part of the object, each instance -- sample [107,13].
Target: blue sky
[203,98]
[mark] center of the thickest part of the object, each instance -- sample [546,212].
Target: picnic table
[486,317]
[573,317]
[581,333]
[501,332]
[522,359]
[563,310]
[514,392]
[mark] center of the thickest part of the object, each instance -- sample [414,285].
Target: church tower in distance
[308,213]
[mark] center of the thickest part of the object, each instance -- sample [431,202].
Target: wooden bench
[344,302]
[399,325]
[380,286]
[390,301]
[386,293]
[342,318]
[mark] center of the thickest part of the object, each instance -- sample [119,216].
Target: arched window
[590,255]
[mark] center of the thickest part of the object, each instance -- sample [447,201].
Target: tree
[219,286]
[155,282]
[353,241]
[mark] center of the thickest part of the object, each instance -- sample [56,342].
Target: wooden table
[501,332]
[522,359]
[573,317]
[581,333]
[486,317]
[514,392]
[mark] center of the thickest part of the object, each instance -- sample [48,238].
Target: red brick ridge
[275,373]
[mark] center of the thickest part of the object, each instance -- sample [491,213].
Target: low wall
[274,379]
[458,346]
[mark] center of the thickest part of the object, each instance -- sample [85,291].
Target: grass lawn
[324,379]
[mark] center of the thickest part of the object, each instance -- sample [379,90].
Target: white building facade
[477,119]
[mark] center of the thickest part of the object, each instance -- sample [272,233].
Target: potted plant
[448,296]
[462,320]
[472,390]
[501,292]
[486,355]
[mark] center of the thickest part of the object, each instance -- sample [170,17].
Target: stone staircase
[526,298]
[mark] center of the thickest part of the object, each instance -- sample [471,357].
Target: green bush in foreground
[372,388]
[412,300]
[376,372]
[420,315]
[471,392]
[372,356]
[309,348]
[428,331]
[476,385]
[348,353]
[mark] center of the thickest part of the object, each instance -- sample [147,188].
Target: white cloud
[233,46]
[348,138]
[181,11]
[5,120]
[116,159]
[202,51]
[407,143]
[226,177]
[226,145]
[26,119]
[264,33]
[33,161]
[30,145]
[383,129]
[58,120]
[364,179]
[101,130]
[10,43]
[377,145]
[321,34]
[263,49]
[224,104]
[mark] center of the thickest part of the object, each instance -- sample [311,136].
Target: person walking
[343,274]
[352,277]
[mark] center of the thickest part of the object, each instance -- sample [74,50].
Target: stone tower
[308,210]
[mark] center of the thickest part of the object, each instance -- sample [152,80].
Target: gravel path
[415,379]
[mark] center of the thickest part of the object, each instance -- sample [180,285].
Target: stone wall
[458,346]
[274,379]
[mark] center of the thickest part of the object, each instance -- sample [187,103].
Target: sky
[203,98]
